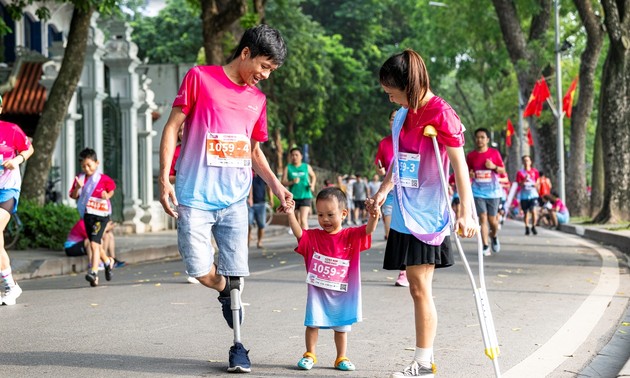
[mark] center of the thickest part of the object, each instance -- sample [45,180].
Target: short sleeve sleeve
[20,140]
[450,129]
[260,132]
[304,243]
[187,91]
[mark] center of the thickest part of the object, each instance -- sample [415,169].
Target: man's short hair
[483,129]
[88,153]
[265,41]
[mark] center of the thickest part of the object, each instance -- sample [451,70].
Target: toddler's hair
[88,153]
[333,192]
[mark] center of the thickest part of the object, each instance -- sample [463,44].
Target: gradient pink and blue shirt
[450,132]
[214,104]
[327,308]
[12,141]
[486,182]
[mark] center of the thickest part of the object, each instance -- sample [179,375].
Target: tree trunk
[277,138]
[577,196]
[615,128]
[216,18]
[56,108]
[546,150]
[597,176]
[521,50]
[615,115]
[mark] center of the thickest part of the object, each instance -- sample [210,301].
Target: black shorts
[78,249]
[95,227]
[306,202]
[529,205]
[359,205]
[405,250]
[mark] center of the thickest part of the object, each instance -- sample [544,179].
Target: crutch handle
[430,131]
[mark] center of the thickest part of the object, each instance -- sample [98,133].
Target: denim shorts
[489,206]
[195,230]
[258,215]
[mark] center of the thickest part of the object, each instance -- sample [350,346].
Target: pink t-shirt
[385,153]
[12,142]
[77,233]
[486,182]
[330,308]
[221,119]
[427,194]
[527,183]
[560,207]
[105,183]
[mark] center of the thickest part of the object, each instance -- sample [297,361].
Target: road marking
[577,329]
[284,267]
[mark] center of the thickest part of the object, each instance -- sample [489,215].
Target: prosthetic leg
[488,331]
[238,358]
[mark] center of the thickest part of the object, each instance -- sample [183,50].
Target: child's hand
[289,208]
[375,211]
[78,182]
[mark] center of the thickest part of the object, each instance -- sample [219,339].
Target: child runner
[331,255]
[528,195]
[92,190]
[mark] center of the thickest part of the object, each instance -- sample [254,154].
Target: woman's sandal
[343,363]
[307,361]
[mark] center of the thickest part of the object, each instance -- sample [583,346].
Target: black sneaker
[239,359]
[92,278]
[108,270]
[534,231]
[526,230]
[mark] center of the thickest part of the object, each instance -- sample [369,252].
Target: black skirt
[405,250]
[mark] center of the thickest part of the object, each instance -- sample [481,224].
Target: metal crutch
[488,331]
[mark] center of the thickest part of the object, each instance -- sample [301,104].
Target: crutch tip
[430,131]
[492,353]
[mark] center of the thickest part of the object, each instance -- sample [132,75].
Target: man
[225,120]
[485,164]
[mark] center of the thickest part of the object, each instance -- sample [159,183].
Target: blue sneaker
[239,359]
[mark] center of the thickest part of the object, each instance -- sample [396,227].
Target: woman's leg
[304,212]
[420,279]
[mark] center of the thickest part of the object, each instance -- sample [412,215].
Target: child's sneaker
[239,359]
[414,370]
[307,361]
[92,278]
[108,270]
[344,364]
[11,294]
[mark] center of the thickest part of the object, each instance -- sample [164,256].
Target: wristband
[23,158]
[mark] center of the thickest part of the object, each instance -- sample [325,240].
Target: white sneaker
[11,295]
[192,280]
[414,370]
[486,251]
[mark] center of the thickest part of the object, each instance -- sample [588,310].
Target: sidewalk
[131,249]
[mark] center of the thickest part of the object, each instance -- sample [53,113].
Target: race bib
[328,272]
[483,176]
[529,184]
[408,166]
[97,206]
[228,150]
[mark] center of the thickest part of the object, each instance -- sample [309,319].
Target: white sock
[424,356]
[7,277]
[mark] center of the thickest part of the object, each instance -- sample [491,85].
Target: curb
[47,263]
[619,241]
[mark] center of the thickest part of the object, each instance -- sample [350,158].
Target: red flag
[509,133]
[567,100]
[540,93]
[530,139]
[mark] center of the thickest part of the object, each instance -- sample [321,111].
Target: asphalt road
[556,300]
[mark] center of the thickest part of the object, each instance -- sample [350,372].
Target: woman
[300,179]
[418,238]
[15,149]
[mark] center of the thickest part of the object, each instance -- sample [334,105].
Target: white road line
[577,329]
[283,267]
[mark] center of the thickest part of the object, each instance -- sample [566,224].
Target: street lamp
[559,114]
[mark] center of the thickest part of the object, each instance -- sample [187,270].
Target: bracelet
[23,158]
